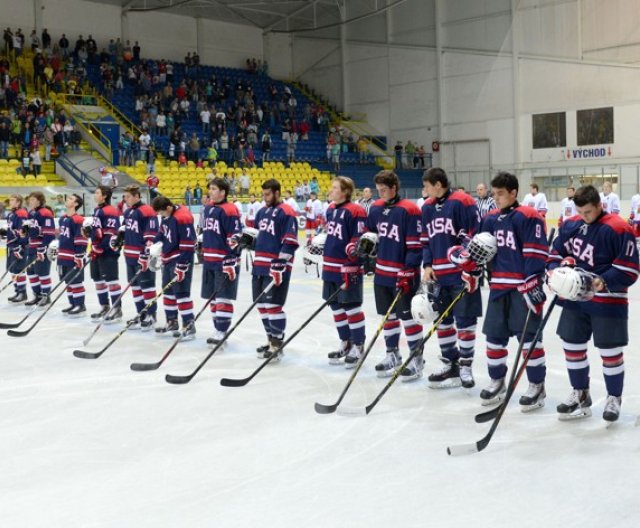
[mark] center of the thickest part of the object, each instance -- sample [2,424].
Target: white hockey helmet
[422,304]
[482,248]
[52,250]
[314,251]
[573,284]
[368,245]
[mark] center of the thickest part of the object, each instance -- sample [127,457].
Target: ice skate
[389,364]
[77,310]
[147,322]
[494,393]
[97,317]
[338,356]
[576,406]
[466,373]
[169,328]
[612,408]
[114,317]
[534,398]
[413,370]
[18,298]
[187,334]
[216,338]
[275,348]
[448,377]
[353,356]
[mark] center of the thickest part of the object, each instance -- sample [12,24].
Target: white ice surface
[89,443]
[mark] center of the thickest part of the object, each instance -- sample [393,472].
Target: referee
[485,204]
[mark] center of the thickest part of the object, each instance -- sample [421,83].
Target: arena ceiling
[278,15]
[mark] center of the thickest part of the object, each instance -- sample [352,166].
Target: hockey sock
[170,306]
[497,357]
[536,368]
[391,332]
[114,291]
[78,295]
[447,340]
[413,331]
[341,320]
[575,355]
[466,340]
[148,295]
[355,318]
[34,282]
[70,296]
[45,284]
[21,283]
[185,307]
[223,314]
[613,369]
[138,299]
[264,317]
[103,293]
[277,321]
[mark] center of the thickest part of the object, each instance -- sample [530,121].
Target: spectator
[5,137]
[205,119]
[421,153]
[212,155]
[194,147]
[314,186]
[335,156]
[266,146]
[197,193]
[26,163]
[107,178]
[63,44]
[245,183]
[306,190]
[153,182]
[398,153]
[362,149]
[410,151]
[75,138]
[36,161]
[144,141]
[188,196]
[292,139]
[182,160]
[298,190]
[59,207]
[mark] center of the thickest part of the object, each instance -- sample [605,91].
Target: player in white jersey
[537,200]
[610,200]
[567,207]
[634,217]
[291,202]
[314,215]
[252,208]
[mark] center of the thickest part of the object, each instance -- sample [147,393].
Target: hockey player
[252,208]
[397,224]
[291,202]
[276,244]
[104,256]
[447,217]
[516,285]
[313,211]
[72,248]
[341,265]
[41,230]
[634,217]
[602,245]
[178,237]
[567,207]
[16,248]
[537,200]
[140,229]
[610,200]
[220,224]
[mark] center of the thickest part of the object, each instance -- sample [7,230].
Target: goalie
[594,260]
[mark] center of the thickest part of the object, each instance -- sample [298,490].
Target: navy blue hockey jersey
[219,223]
[71,240]
[141,228]
[178,236]
[277,237]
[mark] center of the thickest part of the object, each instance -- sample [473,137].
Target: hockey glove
[534,296]
[116,242]
[143,262]
[17,253]
[181,272]
[568,261]
[405,279]
[459,256]
[350,275]
[78,260]
[229,267]
[41,254]
[277,269]
[471,280]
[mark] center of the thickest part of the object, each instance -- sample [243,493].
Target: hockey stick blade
[19,333]
[468,449]
[87,355]
[177,380]
[353,411]
[230,382]
[5,326]
[489,415]
[141,367]
[325,409]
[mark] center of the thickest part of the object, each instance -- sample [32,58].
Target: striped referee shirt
[485,205]
[366,204]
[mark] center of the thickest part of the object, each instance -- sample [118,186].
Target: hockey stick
[359,411]
[489,415]
[181,380]
[23,270]
[138,367]
[86,341]
[95,355]
[230,382]
[328,409]
[22,333]
[5,326]
[468,449]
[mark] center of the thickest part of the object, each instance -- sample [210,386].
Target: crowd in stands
[410,156]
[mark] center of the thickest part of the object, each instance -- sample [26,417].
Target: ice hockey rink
[92,444]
